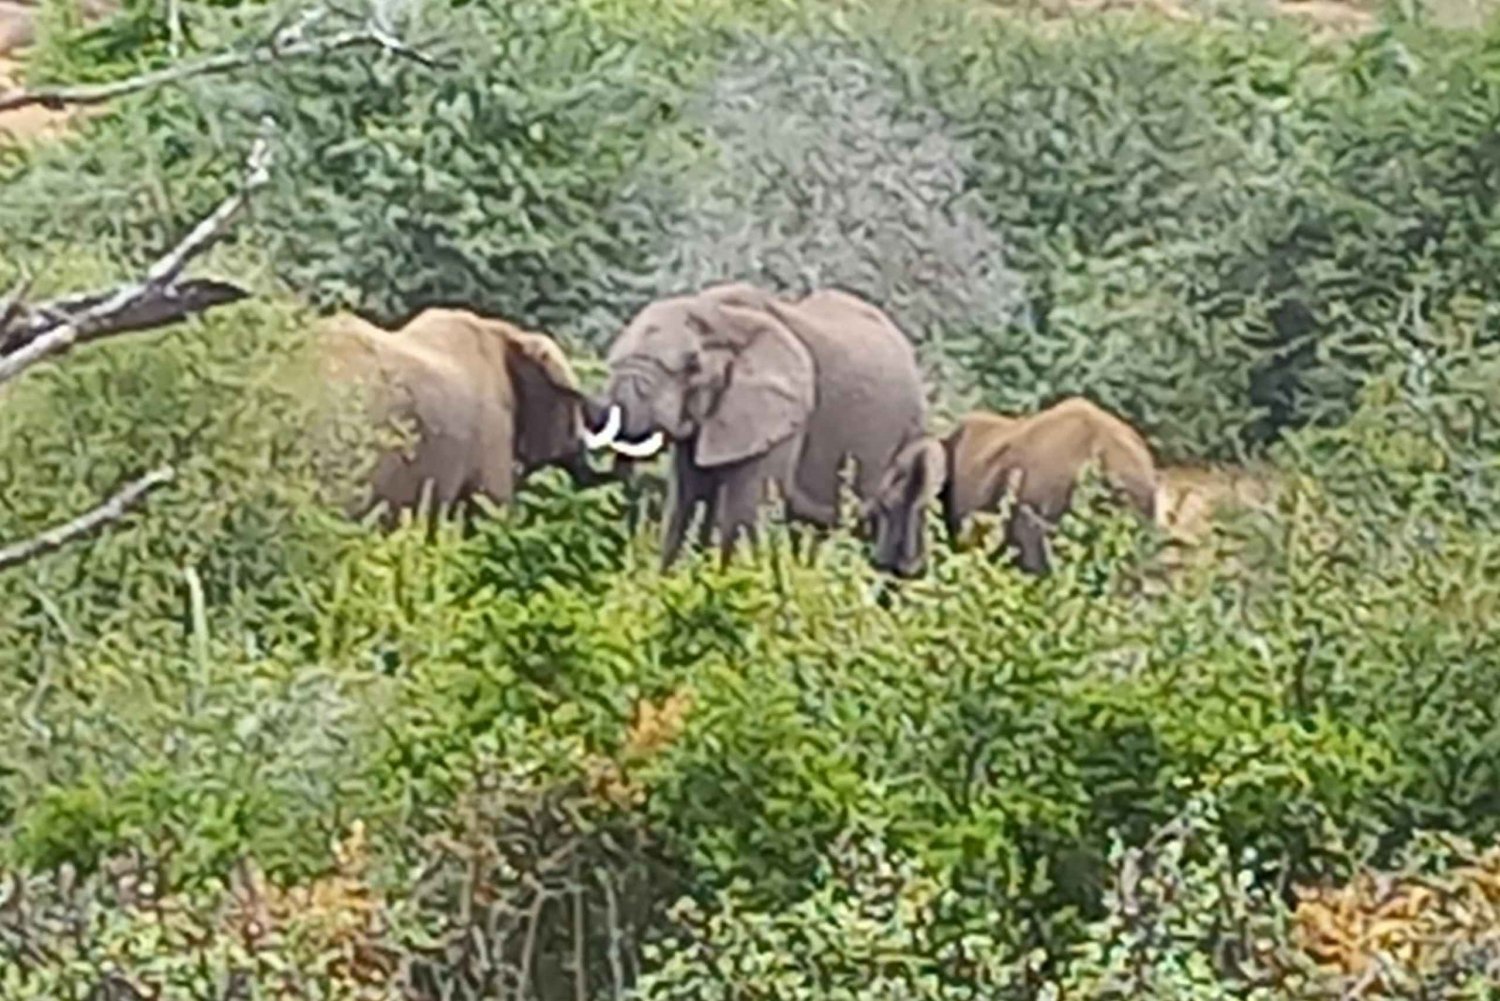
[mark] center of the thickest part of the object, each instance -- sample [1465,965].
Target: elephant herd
[760,400]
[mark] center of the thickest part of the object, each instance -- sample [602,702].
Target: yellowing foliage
[336,918]
[1384,930]
[652,728]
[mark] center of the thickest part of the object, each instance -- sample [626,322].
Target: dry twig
[158,296]
[279,49]
[112,509]
[13,303]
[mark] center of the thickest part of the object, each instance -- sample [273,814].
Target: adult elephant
[489,404]
[1035,461]
[754,392]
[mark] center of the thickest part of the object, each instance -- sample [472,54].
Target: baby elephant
[1036,459]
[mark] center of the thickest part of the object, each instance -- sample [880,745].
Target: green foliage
[867,928]
[949,787]
[1122,208]
[131,39]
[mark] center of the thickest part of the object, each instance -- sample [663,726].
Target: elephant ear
[548,396]
[925,462]
[768,393]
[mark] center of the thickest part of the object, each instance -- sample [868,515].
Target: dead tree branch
[112,509]
[176,302]
[279,49]
[11,305]
[158,297]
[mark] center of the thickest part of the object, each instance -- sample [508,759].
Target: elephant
[490,404]
[757,393]
[1036,460]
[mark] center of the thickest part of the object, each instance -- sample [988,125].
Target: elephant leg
[743,489]
[635,494]
[812,516]
[675,530]
[807,537]
[1026,540]
[810,505]
[710,516]
[496,484]
[582,474]
[953,521]
[737,505]
[688,487]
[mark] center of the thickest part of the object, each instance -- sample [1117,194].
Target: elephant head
[552,411]
[896,512]
[716,371]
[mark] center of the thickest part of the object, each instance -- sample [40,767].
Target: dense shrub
[970,784]
[1116,207]
[822,168]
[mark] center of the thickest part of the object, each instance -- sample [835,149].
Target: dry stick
[14,301]
[181,300]
[96,320]
[580,969]
[85,94]
[111,510]
[613,919]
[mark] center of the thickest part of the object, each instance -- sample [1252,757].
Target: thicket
[1117,207]
[538,755]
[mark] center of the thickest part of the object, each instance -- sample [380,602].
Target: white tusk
[606,436]
[641,449]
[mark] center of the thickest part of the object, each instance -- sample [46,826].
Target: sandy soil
[17,25]
[25,124]
[1190,495]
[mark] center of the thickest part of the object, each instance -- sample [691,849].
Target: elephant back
[440,369]
[1048,450]
[870,400]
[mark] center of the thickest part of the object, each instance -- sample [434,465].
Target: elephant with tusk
[755,393]
[490,404]
[1036,460]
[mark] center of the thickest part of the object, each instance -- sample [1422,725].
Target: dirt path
[26,124]
[1190,495]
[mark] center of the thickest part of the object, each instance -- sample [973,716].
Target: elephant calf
[490,404]
[1036,460]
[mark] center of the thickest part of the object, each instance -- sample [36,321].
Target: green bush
[943,787]
[1116,207]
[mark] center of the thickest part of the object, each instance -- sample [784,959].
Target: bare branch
[173,304]
[14,301]
[111,510]
[158,294]
[277,50]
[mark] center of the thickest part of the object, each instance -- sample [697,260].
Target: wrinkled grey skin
[755,393]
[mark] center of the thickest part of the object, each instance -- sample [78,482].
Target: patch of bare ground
[1189,501]
[1192,495]
[17,25]
[18,32]
[31,123]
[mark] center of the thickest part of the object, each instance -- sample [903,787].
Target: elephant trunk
[629,392]
[623,421]
[899,557]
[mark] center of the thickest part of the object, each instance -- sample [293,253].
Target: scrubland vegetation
[248,749]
